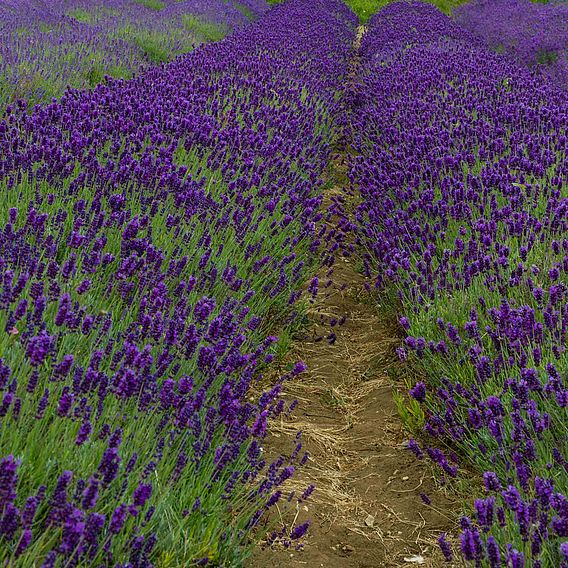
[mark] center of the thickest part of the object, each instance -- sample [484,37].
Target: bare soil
[366,511]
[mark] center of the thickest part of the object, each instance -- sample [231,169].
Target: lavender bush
[49,45]
[153,233]
[461,165]
[534,33]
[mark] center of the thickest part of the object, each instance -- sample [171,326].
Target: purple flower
[65,402]
[24,542]
[64,368]
[415,448]
[300,531]
[83,433]
[307,492]
[203,309]
[401,353]
[471,545]
[299,368]
[108,467]
[491,481]
[93,528]
[83,287]
[9,522]
[418,392]
[64,310]
[485,509]
[517,559]
[493,553]
[50,560]
[8,480]
[445,547]
[142,494]
[42,405]
[425,498]
[274,498]
[30,508]
[313,286]
[58,502]
[118,519]
[90,494]
[259,427]
[38,348]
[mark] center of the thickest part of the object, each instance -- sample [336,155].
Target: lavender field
[47,46]
[194,194]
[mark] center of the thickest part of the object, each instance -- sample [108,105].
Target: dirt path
[366,510]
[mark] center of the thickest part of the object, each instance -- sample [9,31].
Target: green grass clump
[81,15]
[153,44]
[45,28]
[96,71]
[152,4]
[446,6]
[210,31]
[244,10]
[366,8]
[546,57]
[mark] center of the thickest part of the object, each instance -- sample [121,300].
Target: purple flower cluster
[49,45]
[461,162]
[534,33]
[152,230]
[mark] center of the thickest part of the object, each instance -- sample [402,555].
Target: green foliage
[97,70]
[81,15]
[45,28]
[153,44]
[37,87]
[446,6]
[455,307]
[31,86]
[244,10]
[546,57]
[94,74]
[210,31]
[152,4]
[50,444]
[366,8]
[410,411]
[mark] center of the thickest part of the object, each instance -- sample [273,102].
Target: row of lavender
[462,168]
[152,232]
[535,33]
[47,46]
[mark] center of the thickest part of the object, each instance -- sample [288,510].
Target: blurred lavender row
[534,33]
[48,45]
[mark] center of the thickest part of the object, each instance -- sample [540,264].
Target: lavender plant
[461,167]
[154,231]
